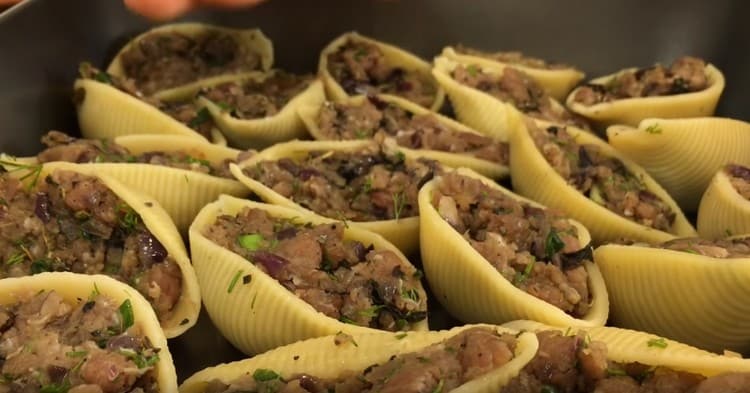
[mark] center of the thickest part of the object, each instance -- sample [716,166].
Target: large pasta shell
[557,82]
[403,233]
[323,358]
[249,40]
[632,346]
[688,297]
[723,211]
[257,314]
[472,290]
[309,116]
[263,132]
[394,55]
[534,178]
[631,111]
[73,287]
[683,154]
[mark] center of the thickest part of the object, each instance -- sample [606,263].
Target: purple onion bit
[125,341]
[272,263]
[306,173]
[150,249]
[739,171]
[286,233]
[41,207]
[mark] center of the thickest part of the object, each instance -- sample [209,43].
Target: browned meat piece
[726,383]
[721,248]
[739,177]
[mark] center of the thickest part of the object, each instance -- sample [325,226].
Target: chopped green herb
[265,375]
[224,106]
[15,258]
[145,361]
[361,134]
[473,70]
[126,315]
[371,312]
[367,185]
[728,232]
[653,129]
[423,359]
[657,342]
[252,304]
[401,336]
[348,320]
[360,53]
[233,283]
[410,294]
[553,244]
[103,77]
[548,389]
[34,171]
[400,156]
[521,277]
[62,387]
[691,251]
[193,160]
[201,117]
[616,372]
[41,266]
[76,354]
[439,387]
[129,219]
[251,241]
[399,200]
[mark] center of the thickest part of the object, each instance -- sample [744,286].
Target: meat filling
[535,249]
[576,364]
[344,279]
[512,57]
[686,75]
[62,147]
[90,346]
[72,222]
[164,60]
[362,68]
[255,100]
[519,90]
[367,185]
[739,177]
[378,119]
[721,248]
[441,367]
[601,178]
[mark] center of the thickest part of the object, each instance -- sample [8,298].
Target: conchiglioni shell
[403,233]
[257,133]
[261,314]
[723,211]
[557,82]
[684,154]
[472,290]
[631,111]
[249,40]
[74,287]
[631,346]
[534,178]
[322,358]
[309,116]
[692,298]
[395,56]
[106,112]
[185,313]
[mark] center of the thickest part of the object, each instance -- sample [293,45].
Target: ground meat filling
[601,178]
[362,68]
[91,346]
[161,61]
[721,248]
[367,185]
[62,147]
[518,89]
[513,57]
[441,367]
[72,222]
[188,113]
[576,364]
[378,119]
[535,249]
[255,100]
[343,279]
[686,75]
[739,177]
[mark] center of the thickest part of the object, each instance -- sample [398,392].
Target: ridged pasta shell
[723,211]
[322,358]
[534,178]
[472,290]
[250,40]
[263,132]
[687,297]
[309,116]
[396,56]
[631,111]
[73,287]
[261,314]
[185,312]
[703,144]
[403,233]
[628,346]
[556,82]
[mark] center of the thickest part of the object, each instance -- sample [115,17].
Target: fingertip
[160,10]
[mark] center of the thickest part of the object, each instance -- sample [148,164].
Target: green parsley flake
[657,342]
[233,283]
[251,241]
[265,375]
[653,129]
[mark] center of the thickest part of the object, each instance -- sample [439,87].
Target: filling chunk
[362,68]
[720,248]
[512,57]
[440,367]
[366,185]
[62,147]
[686,75]
[344,279]
[48,344]
[375,118]
[739,177]
[520,90]
[161,61]
[72,222]
[535,249]
[603,179]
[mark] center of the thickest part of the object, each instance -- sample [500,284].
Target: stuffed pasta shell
[725,206]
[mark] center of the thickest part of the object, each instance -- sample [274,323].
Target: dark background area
[42,42]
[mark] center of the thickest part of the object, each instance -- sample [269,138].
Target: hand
[169,9]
